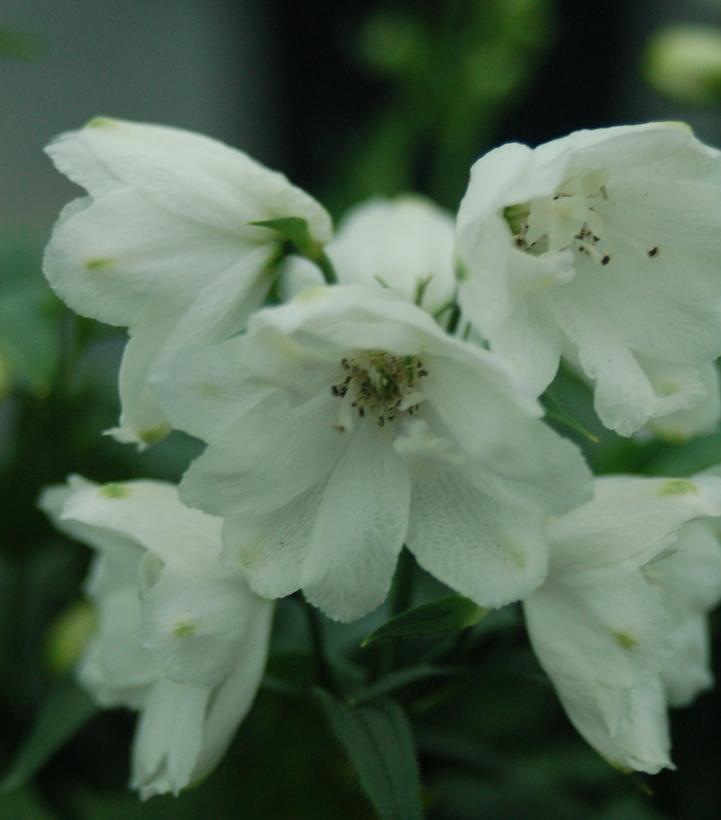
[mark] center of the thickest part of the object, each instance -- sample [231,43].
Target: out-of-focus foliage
[684,63]
[17,44]
[450,71]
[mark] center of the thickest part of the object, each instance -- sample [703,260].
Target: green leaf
[557,412]
[63,713]
[294,230]
[378,740]
[436,618]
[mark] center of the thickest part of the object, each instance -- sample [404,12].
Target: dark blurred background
[349,100]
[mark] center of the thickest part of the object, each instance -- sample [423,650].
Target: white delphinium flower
[619,611]
[404,244]
[602,247]
[180,637]
[345,423]
[165,232]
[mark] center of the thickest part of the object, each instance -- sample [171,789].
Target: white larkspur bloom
[621,608]
[345,423]
[405,244]
[165,234]
[602,247]
[180,638]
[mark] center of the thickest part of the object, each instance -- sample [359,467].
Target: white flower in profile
[601,247]
[618,616]
[347,423]
[180,638]
[165,232]
[405,244]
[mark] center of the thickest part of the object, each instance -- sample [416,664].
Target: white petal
[602,637]
[142,421]
[399,244]
[486,549]
[631,519]
[271,549]
[110,260]
[532,343]
[168,738]
[268,457]
[698,420]
[359,528]
[116,667]
[297,274]
[232,700]
[149,514]
[194,625]
[185,173]
[523,460]
[687,672]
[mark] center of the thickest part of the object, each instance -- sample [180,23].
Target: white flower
[345,423]
[602,247]
[405,244]
[180,638]
[610,624]
[165,232]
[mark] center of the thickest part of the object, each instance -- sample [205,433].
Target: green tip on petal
[100,122]
[98,263]
[154,434]
[184,630]
[678,486]
[625,640]
[115,490]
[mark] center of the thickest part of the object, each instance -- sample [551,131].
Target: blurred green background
[349,100]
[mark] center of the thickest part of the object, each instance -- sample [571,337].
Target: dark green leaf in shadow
[66,709]
[436,618]
[378,740]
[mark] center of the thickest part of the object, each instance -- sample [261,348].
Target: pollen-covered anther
[381,385]
[569,219]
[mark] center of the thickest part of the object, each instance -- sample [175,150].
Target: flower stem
[403,587]
[454,318]
[327,269]
[323,672]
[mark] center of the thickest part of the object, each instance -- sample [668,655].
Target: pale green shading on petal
[98,263]
[154,434]
[184,630]
[678,486]
[100,122]
[625,639]
[115,490]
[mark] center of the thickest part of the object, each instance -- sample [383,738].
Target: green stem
[327,269]
[454,319]
[401,598]
[323,672]
[403,587]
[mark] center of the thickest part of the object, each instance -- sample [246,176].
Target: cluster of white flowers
[391,399]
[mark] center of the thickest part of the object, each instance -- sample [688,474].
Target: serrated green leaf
[64,711]
[294,230]
[436,618]
[378,740]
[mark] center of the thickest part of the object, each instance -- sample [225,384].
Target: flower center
[569,219]
[381,385]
